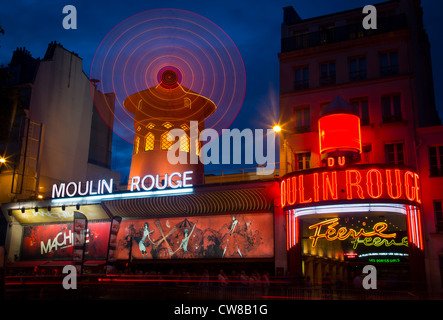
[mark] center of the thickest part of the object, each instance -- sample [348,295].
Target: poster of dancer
[220,236]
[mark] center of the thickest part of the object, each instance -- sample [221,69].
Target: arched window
[137,144]
[197,147]
[164,142]
[149,141]
[184,143]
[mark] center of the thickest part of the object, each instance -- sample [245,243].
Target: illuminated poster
[370,238]
[220,236]
[80,230]
[112,244]
[56,241]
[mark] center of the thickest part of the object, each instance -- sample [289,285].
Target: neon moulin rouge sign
[147,183]
[353,183]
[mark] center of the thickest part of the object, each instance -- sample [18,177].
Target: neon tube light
[350,208]
[117,196]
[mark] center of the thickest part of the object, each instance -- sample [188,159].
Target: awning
[209,201]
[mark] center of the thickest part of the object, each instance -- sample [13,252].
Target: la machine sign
[147,183]
[353,183]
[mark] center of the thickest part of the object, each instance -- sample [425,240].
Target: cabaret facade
[360,135]
[168,214]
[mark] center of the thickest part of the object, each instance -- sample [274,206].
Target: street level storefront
[340,218]
[206,225]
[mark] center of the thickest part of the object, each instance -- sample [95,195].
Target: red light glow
[339,132]
[350,184]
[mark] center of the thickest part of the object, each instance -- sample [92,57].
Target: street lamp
[276,128]
[2,160]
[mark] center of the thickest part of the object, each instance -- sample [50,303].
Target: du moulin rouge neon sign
[353,183]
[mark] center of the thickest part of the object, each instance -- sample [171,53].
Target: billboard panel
[218,236]
[55,241]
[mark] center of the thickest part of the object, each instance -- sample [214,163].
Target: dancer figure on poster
[146,234]
[185,240]
[233,236]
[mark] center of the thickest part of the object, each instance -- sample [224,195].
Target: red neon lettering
[283,193]
[331,162]
[398,186]
[356,184]
[409,189]
[341,161]
[316,188]
[360,184]
[292,190]
[342,234]
[328,186]
[302,190]
[370,183]
[417,188]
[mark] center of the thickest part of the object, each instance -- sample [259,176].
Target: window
[388,63]
[302,39]
[327,73]
[361,104]
[436,161]
[327,34]
[167,125]
[184,143]
[438,212]
[301,78]
[302,161]
[137,145]
[302,119]
[187,103]
[164,142]
[357,69]
[394,153]
[149,141]
[197,146]
[391,108]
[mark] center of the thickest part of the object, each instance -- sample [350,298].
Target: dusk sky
[254,26]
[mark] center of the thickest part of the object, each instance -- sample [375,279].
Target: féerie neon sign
[376,237]
[350,184]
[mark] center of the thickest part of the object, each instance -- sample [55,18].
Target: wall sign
[235,236]
[56,241]
[149,182]
[356,183]
[376,236]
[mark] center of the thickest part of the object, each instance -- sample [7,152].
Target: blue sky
[254,26]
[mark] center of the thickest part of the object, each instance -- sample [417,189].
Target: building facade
[385,75]
[169,216]
[53,122]
[358,182]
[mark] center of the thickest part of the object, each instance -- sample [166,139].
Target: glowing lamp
[339,131]
[276,128]
[2,160]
